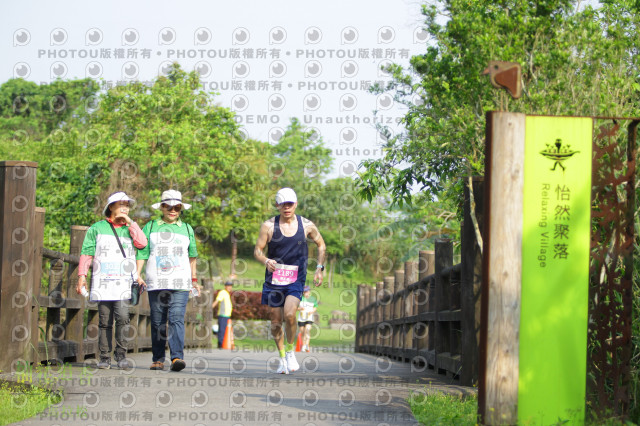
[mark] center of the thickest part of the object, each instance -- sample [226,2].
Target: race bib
[285,274]
[110,269]
[168,264]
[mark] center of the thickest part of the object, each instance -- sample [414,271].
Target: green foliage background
[144,139]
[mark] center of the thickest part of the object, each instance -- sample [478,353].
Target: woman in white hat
[109,248]
[170,275]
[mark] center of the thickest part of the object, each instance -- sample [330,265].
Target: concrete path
[239,388]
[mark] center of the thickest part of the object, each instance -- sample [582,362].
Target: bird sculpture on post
[505,75]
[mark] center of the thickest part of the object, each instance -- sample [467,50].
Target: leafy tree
[145,139]
[299,158]
[575,60]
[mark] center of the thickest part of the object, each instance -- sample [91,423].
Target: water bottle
[194,292]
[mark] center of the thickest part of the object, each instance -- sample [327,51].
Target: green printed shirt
[167,253]
[112,274]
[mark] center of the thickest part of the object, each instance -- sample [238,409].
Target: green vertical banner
[555,270]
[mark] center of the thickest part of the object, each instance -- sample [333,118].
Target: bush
[247,306]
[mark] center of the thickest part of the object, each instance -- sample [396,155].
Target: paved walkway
[239,388]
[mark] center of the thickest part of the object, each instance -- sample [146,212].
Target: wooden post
[426,263]
[38,236]
[365,314]
[371,292]
[17,214]
[410,277]
[502,269]
[379,311]
[388,307]
[444,259]
[75,317]
[54,330]
[359,319]
[426,267]
[471,284]
[207,285]
[398,307]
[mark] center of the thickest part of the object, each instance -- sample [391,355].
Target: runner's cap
[286,195]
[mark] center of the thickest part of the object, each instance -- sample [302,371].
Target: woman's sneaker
[282,368]
[157,365]
[292,363]
[125,364]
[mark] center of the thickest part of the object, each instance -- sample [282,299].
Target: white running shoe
[303,348]
[292,363]
[282,368]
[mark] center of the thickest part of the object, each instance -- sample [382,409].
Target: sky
[267,61]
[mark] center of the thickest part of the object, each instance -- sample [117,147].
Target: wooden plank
[17,251]
[398,308]
[449,362]
[38,235]
[359,318]
[449,316]
[502,268]
[75,316]
[54,255]
[379,294]
[444,260]
[429,356]
[410,277]
[57,350]
[471,283]
[90,348]
[55,303]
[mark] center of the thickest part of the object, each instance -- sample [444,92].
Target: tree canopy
[576,60]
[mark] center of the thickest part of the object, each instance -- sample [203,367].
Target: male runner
[285,237]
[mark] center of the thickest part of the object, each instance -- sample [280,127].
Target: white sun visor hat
[171,198]
[286,195]
[116,196]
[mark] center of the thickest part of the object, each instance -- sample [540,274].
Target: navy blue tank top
[288,250]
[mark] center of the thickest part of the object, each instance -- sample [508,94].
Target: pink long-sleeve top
[139,241]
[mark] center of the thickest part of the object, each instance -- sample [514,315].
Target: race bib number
[285,274]
[168,264]
[110,269]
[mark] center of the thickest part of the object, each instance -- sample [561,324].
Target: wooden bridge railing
[52,322]
[429,312]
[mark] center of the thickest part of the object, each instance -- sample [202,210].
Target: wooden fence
[51,322]
[429,312]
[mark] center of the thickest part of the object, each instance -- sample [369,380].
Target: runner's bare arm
[312,232]
[266,231]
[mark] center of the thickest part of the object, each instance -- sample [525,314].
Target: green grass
[342,295]
[431,408]
[320,338]
[443,409]
[19,402]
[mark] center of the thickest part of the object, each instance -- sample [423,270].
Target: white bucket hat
[171,198]
[286,195]
[116,196]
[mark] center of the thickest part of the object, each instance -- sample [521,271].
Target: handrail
[53,255]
